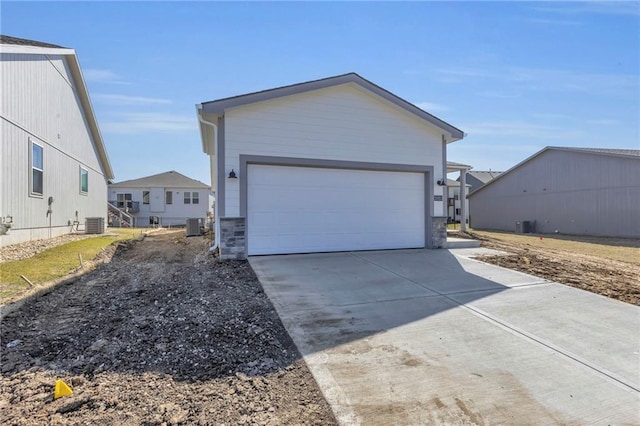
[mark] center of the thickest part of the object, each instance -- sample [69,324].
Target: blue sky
[515,76]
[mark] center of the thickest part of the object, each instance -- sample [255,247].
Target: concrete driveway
[434,337]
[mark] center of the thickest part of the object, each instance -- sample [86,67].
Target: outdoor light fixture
[232,175]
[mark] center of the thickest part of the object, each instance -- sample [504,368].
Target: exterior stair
[119,218]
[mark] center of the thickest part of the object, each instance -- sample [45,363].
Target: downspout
[445,190]
[214,126]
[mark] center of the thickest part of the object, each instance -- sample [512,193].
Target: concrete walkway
[434,337]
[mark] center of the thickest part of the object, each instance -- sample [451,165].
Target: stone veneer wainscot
[233,242]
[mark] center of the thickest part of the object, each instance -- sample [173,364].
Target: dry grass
[619,249]
[56,262]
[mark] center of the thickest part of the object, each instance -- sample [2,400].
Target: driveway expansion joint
[517,331]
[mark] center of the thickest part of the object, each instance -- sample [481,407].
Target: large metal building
[577,191]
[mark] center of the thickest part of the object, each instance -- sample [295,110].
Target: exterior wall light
[232,175]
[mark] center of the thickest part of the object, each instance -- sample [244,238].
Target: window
[37,169]
[191,197]
[458,212]
[84,181]
[145,197]
[124,201]
[168,197]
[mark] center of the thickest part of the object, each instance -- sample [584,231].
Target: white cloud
[550,80]
[628,8]
[455,73]
[102,76]
[554,21]
[431,106]
[572,81]
[146,123]
[522,129]
[553,116]
[497,95]
[604,122]
[113,99]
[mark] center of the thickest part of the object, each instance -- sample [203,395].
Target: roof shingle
[5,39]
[171,179]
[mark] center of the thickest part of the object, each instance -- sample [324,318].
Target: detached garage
[337,164]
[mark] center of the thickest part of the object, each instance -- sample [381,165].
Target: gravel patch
[164,334]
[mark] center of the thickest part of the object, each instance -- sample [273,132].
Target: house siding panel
[175,213]
[339,123]
[39,102]
[569,192]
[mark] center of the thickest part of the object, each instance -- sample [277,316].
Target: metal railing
[126,206]
[119,217]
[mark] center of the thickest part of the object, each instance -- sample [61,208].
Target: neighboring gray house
[335,164]
[165,199]
[579,191]
[477,178]
[54,166]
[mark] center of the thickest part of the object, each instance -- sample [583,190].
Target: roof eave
[81,87]
[221,105]
[35,50]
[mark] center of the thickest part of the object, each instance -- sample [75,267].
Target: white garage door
[306,210]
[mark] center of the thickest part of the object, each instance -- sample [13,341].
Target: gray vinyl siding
[40,103]
[175,213]
[474,182]
[568,192]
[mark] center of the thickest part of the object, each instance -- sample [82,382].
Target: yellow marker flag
[62,389]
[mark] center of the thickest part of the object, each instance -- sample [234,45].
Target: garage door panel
[303,210]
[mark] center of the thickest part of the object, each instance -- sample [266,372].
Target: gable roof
[623,153]
[484,176]
[171,179]
[220,105]
[5,39]
[23,46]
[603,151]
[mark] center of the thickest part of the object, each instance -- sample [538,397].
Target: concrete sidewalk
[432,336]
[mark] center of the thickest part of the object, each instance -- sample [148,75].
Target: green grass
[55,262]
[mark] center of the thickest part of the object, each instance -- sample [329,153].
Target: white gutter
[215,152]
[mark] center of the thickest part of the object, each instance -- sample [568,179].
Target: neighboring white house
[165,199]
[53,163]
[328,165]
[454,211]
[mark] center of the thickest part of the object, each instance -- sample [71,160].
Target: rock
[155,338]
[98,345]
[72,405]
[13,343]
[77,381]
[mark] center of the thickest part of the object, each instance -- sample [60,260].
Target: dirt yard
[596,270]
[163,334]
